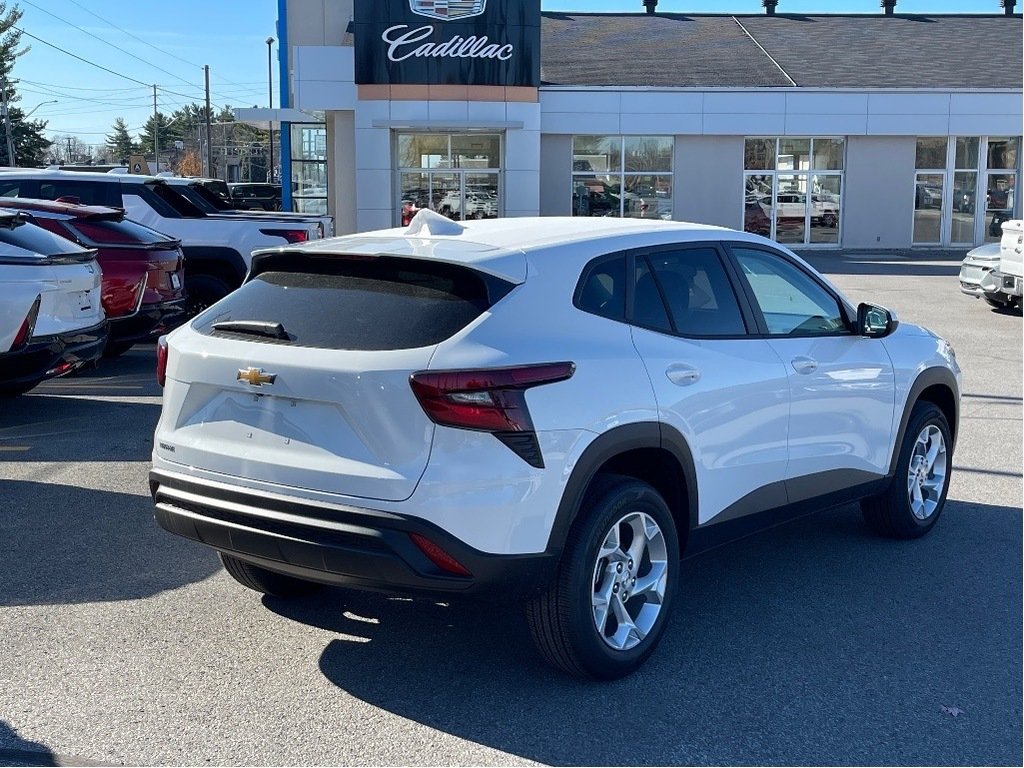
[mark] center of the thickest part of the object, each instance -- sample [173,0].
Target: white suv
[550,409]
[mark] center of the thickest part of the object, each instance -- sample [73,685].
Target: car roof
[107,178]
[498,246]
[68,209]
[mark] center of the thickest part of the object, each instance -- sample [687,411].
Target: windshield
[212,200]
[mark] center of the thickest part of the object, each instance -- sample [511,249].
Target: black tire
[14,390]
[117,348]
[830,220]
[890,513]
[203,291]
[264,581]
[999,301]
[562,619]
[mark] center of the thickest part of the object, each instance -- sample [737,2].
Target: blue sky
[230,36]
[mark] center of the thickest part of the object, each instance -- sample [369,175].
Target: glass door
[455,175]
[928,207]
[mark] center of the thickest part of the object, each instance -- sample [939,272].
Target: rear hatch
[134,258]
[67,276]
[301,377]
[1011,261]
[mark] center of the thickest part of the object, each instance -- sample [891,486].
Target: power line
[84,61]
[107,42]
[136,37]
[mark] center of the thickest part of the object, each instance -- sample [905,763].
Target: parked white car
[217,247]
[51,316]
[976,278]
[534,408]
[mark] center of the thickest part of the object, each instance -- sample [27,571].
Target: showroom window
[622,176]
[965,188]
[454,174]
[793,188]
[309,168]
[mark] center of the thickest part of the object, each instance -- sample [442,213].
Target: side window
[790,300]
[648,306]
[697,289]
[10,188]
[86,192]
[602,290]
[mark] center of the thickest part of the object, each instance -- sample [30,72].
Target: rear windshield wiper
[255,327]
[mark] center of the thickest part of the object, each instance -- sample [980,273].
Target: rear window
[111,232]
[375,304]
[29,237]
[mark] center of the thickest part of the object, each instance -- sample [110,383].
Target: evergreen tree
[120,142]
[30,145]
[168,132]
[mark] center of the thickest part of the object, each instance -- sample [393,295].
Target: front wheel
[608,606]
[911,505]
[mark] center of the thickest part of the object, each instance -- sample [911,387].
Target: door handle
[682,374]
[803,364]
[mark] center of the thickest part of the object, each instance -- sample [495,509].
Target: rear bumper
[52,355]
[1011,285]
[347,546]
[150,321]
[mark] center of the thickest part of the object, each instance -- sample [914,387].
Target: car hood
[987,252]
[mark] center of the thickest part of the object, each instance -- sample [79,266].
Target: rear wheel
[203,291]
[267,582]
[608,606]
[13,390]
[911,505]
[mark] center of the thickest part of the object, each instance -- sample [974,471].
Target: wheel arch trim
[929,377]
[604,448]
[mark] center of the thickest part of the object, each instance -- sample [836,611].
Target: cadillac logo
[256,377]
[447,10]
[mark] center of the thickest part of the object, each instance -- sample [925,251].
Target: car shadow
[15,750]
[812,643]
[55,420]
[104,546]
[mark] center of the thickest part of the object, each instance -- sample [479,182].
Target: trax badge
[255,376]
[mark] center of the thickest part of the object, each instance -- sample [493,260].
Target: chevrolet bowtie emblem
[255,376]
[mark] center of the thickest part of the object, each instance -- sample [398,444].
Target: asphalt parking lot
[812,643]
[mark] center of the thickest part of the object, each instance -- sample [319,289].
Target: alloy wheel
[926,473]
[630,577]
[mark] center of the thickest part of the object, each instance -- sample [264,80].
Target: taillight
[438,556]
[161,361]
[489,400]
[290,235]
[28,325]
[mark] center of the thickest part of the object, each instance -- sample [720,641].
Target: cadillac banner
[448,42]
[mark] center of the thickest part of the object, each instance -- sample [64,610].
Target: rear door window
[81,191]
[358,304]
[696,288]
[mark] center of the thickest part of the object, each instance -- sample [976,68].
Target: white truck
[217,246]
[1009,275]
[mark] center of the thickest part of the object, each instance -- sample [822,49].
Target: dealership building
[854,131]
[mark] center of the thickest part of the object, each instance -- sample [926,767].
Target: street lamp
[37,106]
[270,95]
[6,112]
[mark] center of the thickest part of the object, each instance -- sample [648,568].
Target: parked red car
[143,270]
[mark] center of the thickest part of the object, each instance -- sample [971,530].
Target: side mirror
[875,322]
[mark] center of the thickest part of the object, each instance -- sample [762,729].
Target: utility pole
[209,136]
[270,94]
[156,133]
[11,160]
[70,159]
